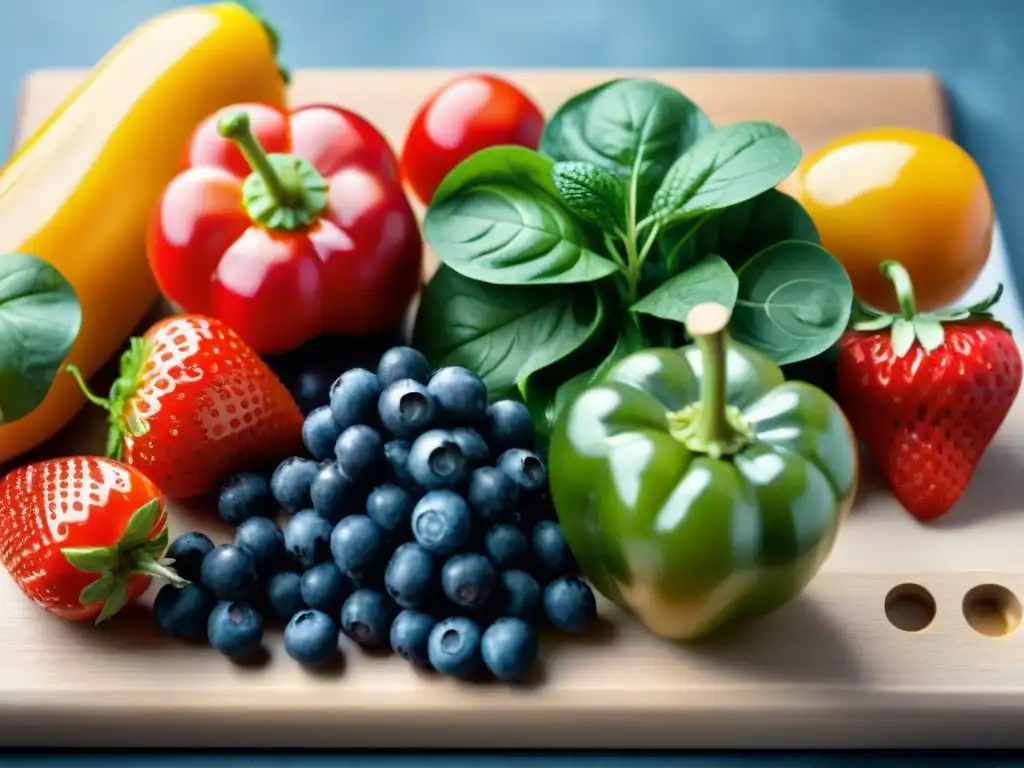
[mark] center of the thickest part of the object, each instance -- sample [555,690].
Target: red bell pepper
[288,225]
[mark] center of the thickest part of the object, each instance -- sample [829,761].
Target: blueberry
[290,482]
[473,446]
[410,635]
[183,612]
[390,507]
[492,494]
[509,426]
[320,432]
[235,630]
[409,577]
[407,409]
[402,363]
[461,395]
[311,638]
[440,522]
[333,495]
[324,588]
[506,546]
[245,495]
[569,605]
[525,469]
[454,647]
[230,572]
[467,580]
[366,617]
[360,453]
[509,649]
[356,543]
[187,551]
[550,552]
[436,461]
[354,398]
[284,593]
[265,540]
[307,538]
[517,595]
[396,453]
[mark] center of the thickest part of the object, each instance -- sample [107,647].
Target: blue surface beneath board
[976,47]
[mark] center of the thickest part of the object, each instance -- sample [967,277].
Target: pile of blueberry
[420,521]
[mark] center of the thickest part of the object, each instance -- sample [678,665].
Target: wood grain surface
[830,670]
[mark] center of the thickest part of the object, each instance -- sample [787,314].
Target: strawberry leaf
[92,559]
[98,590]
[929,333]
[157,546]
[140,526]
[902,336]
[115,601]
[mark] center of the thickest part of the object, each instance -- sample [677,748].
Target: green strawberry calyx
[910,326]
[123,422]
[136,553]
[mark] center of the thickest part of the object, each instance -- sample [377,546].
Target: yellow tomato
[901,194]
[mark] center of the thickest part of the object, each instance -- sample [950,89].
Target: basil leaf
[504,333]
[731,165]
[794,302]
[592,193]
[39,322]
[710,279]
[630,127]
[498,218]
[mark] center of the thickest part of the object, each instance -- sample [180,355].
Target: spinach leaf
[631,127]
[39,322]
[498,218]
[592,193]
[729,166]
[794,302]
[710,279]
[504,333]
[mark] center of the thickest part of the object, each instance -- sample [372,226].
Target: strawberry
[82,536]
[194,403]
[927,393]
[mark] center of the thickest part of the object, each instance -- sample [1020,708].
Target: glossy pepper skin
[286,226]
[695,499]
[79,192]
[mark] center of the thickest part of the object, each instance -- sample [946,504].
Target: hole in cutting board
[992,610]
[909,607]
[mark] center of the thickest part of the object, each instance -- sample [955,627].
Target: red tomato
[468,114]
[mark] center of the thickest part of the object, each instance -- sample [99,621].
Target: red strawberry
[927,393]
[82,536]
[193,403]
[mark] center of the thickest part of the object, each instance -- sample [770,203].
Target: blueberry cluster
[420,521]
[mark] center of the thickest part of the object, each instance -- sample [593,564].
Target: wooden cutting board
[833,669]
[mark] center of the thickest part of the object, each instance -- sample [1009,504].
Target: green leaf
[710,279]
[902,336]
[156,548]
[140,525]
[498,218]
[39,322]
[98,590]
[504,333]
[116,600]
[794,302]
[91,559]
[592,193]
[628,127]
[732,165]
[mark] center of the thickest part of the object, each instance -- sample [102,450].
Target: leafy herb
[39,322]
[559,263]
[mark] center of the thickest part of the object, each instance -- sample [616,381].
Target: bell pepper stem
[903,286]
[237,127]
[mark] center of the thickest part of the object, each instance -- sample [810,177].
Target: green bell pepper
[697,487]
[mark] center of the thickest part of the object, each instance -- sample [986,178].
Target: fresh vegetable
[927,392]
[193,403]
[465,115]
[83,536]
[904,195]
[386,557]
[103,156]
[658,469]
[302,210]
[560,263]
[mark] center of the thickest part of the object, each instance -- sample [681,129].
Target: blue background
[977,48]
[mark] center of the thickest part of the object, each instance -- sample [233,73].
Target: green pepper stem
[903,286]
[237,127]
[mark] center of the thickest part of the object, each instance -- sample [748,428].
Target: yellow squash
[79,193]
